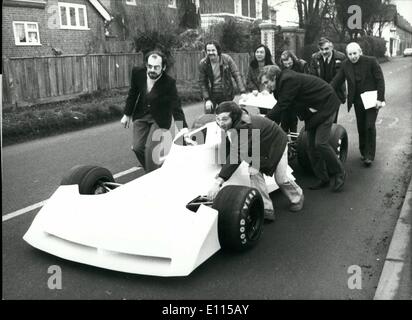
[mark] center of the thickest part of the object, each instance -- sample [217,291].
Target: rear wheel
[338,141]
[241,217]
[90,179]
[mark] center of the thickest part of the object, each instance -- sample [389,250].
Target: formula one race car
[159,224]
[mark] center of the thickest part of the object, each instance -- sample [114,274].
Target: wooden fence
[29,81]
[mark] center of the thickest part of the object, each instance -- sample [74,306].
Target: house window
[26,33]
[171,4]
[131,2]
[73,16]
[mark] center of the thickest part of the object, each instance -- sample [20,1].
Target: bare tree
[373,12]
[312,13]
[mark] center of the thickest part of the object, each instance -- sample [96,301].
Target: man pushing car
[273,155]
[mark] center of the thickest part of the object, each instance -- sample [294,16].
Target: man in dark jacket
[288,60]
[316,103]
[363,73]
[155,109]
[326,63]
[271,141]
[216,71]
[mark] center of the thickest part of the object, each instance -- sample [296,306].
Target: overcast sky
[288,16]
[404,9]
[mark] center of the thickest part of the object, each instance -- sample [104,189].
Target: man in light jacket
[216,71]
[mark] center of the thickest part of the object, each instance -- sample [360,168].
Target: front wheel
[241,217]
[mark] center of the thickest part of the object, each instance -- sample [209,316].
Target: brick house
[215,11]
[40,28]
[396,30]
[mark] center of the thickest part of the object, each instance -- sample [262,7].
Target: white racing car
[159,224]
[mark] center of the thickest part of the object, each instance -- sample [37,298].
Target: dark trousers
[151,143]
[323,158]
[216,99]
[365,121]
[287,119]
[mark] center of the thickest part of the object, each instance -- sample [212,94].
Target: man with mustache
[216,71]
[154,107]
[326,63]
[272,158]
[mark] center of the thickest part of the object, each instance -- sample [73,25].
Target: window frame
[77,7]
[26,32]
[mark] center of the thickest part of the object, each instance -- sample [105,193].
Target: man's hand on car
[215,188]
[208,106]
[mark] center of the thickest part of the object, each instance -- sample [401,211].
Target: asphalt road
[306,255]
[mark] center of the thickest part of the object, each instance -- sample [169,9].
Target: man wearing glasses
[154,107]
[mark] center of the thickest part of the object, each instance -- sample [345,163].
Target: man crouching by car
[273,157]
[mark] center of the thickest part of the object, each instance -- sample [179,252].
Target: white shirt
[327,59]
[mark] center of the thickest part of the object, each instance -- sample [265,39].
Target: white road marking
[23,211]
[123,173]
[41,203]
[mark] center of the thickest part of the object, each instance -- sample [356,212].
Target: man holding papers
[366,91]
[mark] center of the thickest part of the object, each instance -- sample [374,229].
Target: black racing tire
[88,178]
[339,141]
[301,151]
[202,120]
[241,217]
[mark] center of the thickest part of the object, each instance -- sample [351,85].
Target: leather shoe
[367,162]
[339,181]
[320,185]
[297,206]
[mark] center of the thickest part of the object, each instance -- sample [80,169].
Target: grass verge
[28,123]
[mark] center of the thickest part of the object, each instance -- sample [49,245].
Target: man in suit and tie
[325,64]
[316,103]
[363,73]
[154,107]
